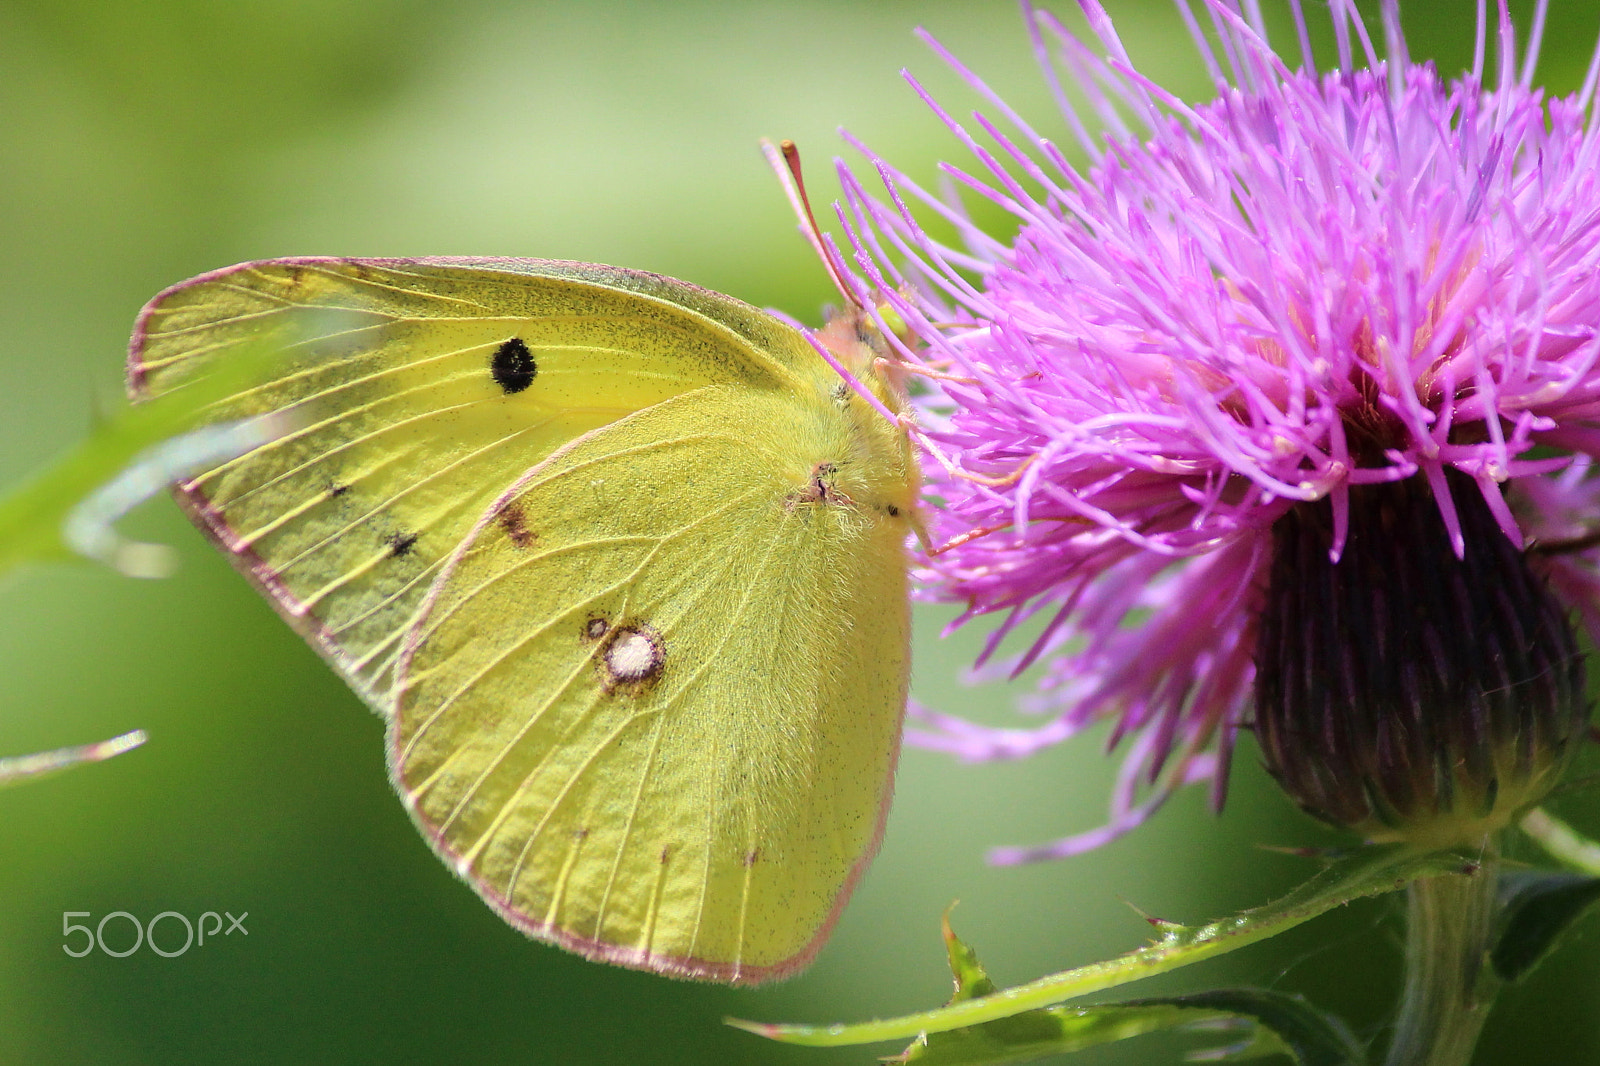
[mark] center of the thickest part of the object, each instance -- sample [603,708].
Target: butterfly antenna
[784,158]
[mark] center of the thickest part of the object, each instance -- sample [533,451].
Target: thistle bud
[1403,691]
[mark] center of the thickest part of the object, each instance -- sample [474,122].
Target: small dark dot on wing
[515,522]
[400,544]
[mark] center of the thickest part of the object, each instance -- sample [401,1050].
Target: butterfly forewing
[654,711]
[419,391]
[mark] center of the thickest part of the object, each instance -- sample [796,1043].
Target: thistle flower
[1279,413]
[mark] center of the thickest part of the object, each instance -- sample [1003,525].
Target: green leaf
[1365,872]
[130,455]
[1032,1034]
[69,509]
[1049,1031]
[1280,1024]
[1536,907]
[972,980]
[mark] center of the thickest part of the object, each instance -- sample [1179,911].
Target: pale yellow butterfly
[621,560]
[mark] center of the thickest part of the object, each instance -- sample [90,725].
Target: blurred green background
[141,143]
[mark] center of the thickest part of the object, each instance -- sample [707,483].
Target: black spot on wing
[512,366]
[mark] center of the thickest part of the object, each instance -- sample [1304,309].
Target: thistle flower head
[1314,292]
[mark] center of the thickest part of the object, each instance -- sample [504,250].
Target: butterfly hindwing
[662,732]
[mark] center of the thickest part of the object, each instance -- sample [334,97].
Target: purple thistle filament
[1316,281]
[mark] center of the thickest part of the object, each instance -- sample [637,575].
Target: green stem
[1449,984]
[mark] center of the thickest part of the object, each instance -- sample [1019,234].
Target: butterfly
[621,561]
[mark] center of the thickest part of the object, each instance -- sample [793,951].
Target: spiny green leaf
[1029,1035]
[1367,871]
[1050,1031]
[972,981]
[1536,907]
[1279,1023]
